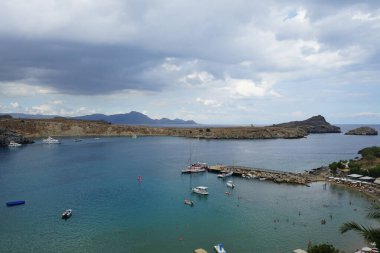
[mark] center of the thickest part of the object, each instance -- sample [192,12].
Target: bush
[370,152]
[322,248]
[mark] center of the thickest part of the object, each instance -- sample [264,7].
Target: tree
[370,234]
[322,248]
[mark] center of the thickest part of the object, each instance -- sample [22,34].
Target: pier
[276,176]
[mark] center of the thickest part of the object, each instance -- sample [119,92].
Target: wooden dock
[276,176]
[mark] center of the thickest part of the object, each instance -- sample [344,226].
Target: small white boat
[188,202]
[202,190]
[262,178]
[230,184]
[51,140]
[67,214]
[219,248]
[226,174]
[14,144]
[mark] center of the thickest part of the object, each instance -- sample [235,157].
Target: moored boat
[202,190]
[51,140]
[14,144]
[195,168]
[230,184]
[189,202]
[67,214]
[219,248]
[15,202]
[226,174]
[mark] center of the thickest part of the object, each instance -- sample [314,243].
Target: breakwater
[276,176]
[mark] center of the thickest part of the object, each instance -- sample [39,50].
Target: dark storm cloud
[75,68]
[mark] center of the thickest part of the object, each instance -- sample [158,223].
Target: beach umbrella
[366,249]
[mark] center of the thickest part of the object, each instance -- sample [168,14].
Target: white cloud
[17,89]
[197,78]
[14,105]
[208,102]
[245,88]
[361,16]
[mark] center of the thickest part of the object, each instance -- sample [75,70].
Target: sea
[113,211]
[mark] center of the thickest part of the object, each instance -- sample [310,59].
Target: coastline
[322,174]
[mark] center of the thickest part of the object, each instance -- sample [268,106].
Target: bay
[113,212]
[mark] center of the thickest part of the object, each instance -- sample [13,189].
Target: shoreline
[369,190]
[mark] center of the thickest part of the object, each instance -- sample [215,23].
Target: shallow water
[113,212]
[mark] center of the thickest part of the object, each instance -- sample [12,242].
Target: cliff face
[68,127]
[362,131]
[313,125]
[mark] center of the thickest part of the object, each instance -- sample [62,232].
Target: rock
[6,136]
[313,125]
[362,131]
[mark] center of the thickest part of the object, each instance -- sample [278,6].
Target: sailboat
[194,167]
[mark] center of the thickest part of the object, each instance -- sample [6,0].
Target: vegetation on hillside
[368,165]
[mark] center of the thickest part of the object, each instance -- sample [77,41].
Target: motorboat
[77,140]
[14,144]
[51,140]
[226,174]
[202,190]
[67,214]
[219,248]
[188,202]
[195,168]
[230,184]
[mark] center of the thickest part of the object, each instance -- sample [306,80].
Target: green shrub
[322,248]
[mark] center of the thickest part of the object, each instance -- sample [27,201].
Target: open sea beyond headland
[113,212]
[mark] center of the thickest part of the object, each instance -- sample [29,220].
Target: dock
[276,176]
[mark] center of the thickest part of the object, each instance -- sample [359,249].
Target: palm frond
[374,211]
[368,233]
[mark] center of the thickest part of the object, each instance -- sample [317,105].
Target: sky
[213,61]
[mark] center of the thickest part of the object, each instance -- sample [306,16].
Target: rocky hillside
[34,128]
[313,125]
[362,131]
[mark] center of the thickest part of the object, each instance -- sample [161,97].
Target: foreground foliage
[322,248]
[370,234]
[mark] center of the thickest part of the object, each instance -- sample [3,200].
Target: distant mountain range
[132,118]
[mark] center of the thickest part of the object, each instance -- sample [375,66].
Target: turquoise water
[113,212]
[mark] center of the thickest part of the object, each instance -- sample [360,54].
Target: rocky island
[313,125]
[362,131]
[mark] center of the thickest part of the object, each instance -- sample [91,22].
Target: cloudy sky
[215,61]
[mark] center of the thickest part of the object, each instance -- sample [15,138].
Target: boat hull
[16,203]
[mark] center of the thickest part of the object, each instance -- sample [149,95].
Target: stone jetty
[266,174]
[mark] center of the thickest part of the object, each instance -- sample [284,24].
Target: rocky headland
[61,127]
[64,127]
[313,125]
[362,131]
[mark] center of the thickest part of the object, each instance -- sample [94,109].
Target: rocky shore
[6,136]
